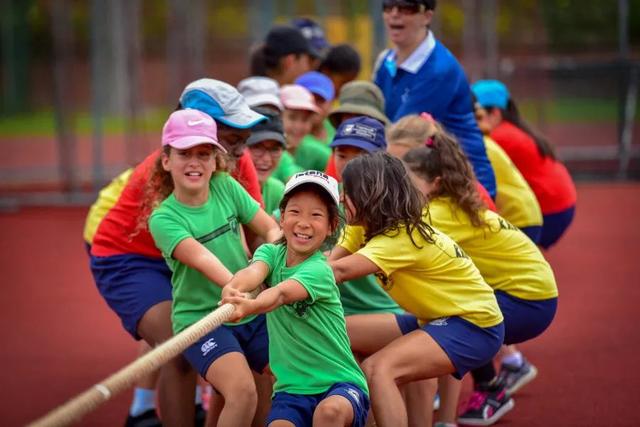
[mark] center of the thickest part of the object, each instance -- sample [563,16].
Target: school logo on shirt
[385,282]
[232,225]
[450,248]
[207,346]
[301,308]
[506,225]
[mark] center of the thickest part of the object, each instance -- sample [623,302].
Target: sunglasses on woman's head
[404,7]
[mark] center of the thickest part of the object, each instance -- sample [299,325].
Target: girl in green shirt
[318,381]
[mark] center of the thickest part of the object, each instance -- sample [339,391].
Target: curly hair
[384,197]
[160,185]
[441,157]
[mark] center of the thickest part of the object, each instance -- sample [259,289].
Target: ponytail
[512,115]
[436,153]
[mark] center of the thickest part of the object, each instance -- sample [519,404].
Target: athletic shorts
[533,232]
[525,319]
[298,408]
[555,225]
[250,339]
[468,346]
[131,284]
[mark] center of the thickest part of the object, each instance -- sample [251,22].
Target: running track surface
[59,337]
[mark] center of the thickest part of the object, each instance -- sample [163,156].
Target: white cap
[260,91]
[328,183]
[221,101]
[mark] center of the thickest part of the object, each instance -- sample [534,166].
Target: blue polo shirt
[431,80]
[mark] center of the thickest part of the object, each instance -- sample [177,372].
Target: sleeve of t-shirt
[246,174]
[167,232]
[351,238]
[317,278]
[266,253]
[390,253]
[246,207]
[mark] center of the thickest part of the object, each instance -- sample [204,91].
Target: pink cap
[188,128]
[296,97]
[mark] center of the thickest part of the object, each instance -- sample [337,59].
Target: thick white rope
[72,411]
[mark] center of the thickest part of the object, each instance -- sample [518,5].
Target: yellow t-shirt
[507,259]
[106,200]
[515,200]
[433,281]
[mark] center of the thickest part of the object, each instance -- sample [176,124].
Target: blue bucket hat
[317,83]
[361,132]
[491,93]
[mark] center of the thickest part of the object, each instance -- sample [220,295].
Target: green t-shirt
[287,167]
[314,153]
[216,225]
[309,350]
[272,192]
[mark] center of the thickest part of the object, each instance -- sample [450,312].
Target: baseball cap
[314,35]
[491,93]
[362,132]
[317,83]
[269,129]
[188,128]
[326,182]
[258,91]
[221,101]
[296,97]
[360,97]
[284,40]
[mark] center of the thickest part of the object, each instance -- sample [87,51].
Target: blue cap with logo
[362,132]
[491,93]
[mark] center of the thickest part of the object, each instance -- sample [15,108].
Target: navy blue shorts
[299,408]
[250,339]
[525,319]
[555,225]
[131,284]
[533,232]
[468,346]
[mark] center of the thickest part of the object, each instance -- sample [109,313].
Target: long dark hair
[384,197]
[512,115]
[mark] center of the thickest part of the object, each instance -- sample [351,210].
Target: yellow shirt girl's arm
[194,255]
[352,267]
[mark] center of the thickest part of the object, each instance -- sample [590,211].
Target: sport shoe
[146,419]
[486,407]
[513,378]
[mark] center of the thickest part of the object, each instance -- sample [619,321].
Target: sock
[198,399]
[143,400]
[513,359]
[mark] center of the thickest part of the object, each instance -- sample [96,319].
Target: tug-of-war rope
[72,411]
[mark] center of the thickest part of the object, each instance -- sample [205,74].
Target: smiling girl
[197,228]
[318,381]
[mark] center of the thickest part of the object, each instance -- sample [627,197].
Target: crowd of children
[384,276]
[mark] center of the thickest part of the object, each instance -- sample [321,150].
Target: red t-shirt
[331,168]
[114,234]
[548,178]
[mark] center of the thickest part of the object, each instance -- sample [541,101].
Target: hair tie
[429,142]
[427,117]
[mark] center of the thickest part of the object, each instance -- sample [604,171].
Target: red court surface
[59,337]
